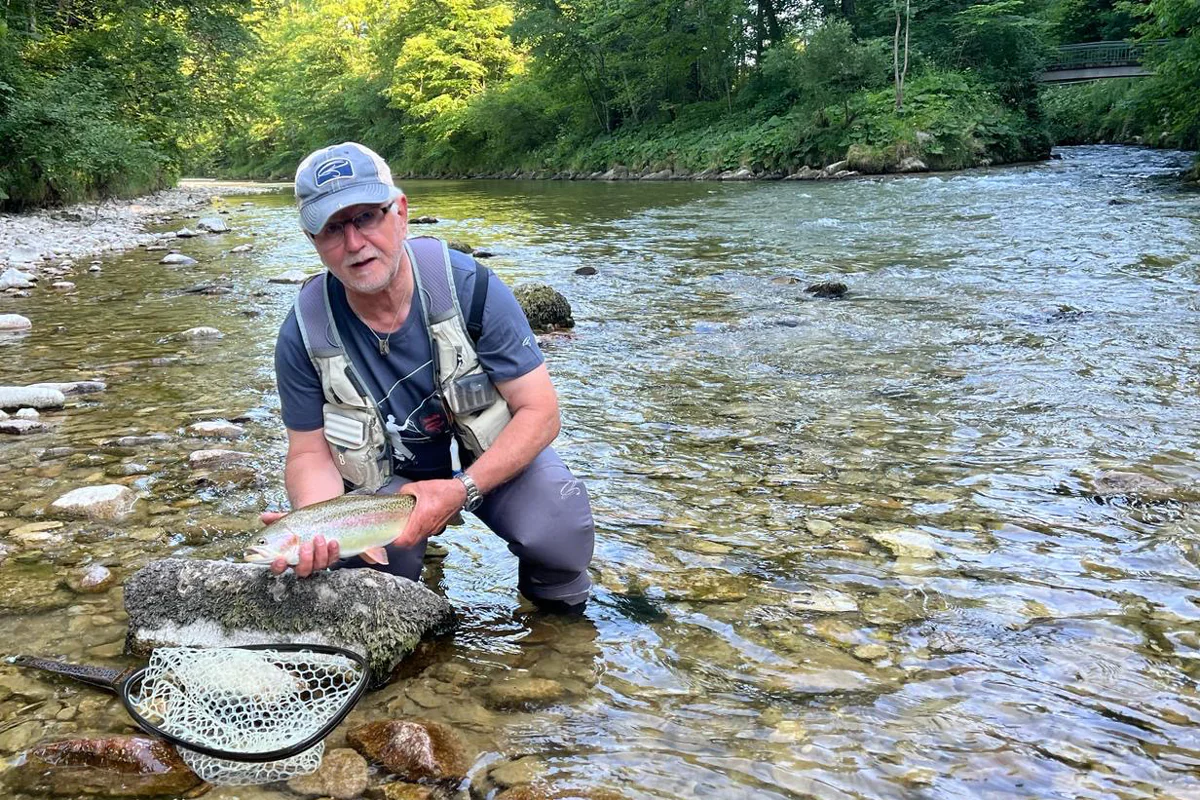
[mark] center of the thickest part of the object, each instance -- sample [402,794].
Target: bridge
[1099,61]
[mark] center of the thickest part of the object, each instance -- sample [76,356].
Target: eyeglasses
[365,221]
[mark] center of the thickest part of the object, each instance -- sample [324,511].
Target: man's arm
[534,425]
[310,476]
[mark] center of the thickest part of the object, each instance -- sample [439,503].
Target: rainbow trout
[359,523]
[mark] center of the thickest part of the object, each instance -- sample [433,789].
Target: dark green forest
[103,98]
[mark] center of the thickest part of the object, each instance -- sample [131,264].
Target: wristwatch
[474,496]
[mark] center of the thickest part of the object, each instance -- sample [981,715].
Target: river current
[868,547]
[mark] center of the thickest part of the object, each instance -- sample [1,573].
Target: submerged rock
[110,502]
[178,259]
[523,693]
[93,580]
[216,429]
[342,776]
[213,225]
[545,308]
[219,603]
[107,766]
[291,276]
[413,749]
[72,387]
[1132,487]
[22,427]
[202,332]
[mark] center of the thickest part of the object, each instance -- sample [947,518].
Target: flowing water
[855,548]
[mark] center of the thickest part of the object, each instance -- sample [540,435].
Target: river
[854,548]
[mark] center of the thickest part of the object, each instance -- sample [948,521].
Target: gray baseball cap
[337,177]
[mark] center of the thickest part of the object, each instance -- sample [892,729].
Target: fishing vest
[353,426]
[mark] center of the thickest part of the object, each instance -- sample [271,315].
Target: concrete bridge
[1098,61]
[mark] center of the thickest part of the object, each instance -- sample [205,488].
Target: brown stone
[342,776]
[109,766]
[413,749]
[539,791]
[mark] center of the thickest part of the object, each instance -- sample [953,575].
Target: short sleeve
[507,347]
[300,397]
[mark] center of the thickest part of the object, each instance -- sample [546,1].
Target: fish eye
[261,540]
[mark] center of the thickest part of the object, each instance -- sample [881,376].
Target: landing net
[246,716]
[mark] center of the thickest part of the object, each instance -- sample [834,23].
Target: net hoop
[130,685]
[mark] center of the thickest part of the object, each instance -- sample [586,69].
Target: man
[379,294]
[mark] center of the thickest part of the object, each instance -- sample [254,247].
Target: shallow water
[756,457]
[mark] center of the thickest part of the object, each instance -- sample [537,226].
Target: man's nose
[353,236]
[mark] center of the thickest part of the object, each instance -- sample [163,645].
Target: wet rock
[36,527]
[242,248]
[22,427]
[141,440]
[834,168]
[828,601]
[543,791]
[72,387]
[291,276]
[522,693]
[460,247]
[661,175]
[62,286]
[398,790]
[216,429]
[1113,485]
[545,308]
[705,587]
[342,775]
[110,502]
[208,289]
[23,254]
[870,652]
[15,279]
[517,772]
[423,221]
[202,333]
[177,259]
[586,271]
[830,289]
[788,322]
[743,174]
[27,413]
[14,397]
[805,173]
[911,164]
[483,254]
[108,766]
[212,225]
[413,749]
[218,603]
[93,580]
[186,233]
[217,459]
[906,543]
[784,280]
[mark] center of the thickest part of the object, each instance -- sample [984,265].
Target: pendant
[385,345]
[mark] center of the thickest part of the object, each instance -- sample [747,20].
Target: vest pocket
[357,446]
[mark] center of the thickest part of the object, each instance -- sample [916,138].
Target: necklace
[385,342]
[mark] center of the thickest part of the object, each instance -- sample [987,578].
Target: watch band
[474,496]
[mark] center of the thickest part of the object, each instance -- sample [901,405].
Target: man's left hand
[437,503]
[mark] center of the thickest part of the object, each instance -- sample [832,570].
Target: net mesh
[245,703]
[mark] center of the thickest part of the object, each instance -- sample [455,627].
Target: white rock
[242,248]
[177,258]
[73,387]
[212,225]
[907,543]
[3,414]
[22,427]
[24,254]
[94,268]
[62,286]
[186,233]
[291,276]
[216,429]
[208,459]
[14,322]
[109,502]
[202,333]
[27,413]
[15,279]
[28,396]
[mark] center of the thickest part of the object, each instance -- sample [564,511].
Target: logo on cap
[333,168]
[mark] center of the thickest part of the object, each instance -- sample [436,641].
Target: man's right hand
[314,556]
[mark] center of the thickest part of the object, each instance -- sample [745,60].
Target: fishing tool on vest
[237,715]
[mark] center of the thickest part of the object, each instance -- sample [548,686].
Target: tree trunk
[898,71]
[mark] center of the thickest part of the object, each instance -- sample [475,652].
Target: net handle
[134,679]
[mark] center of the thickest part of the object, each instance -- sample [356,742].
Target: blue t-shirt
[402,382]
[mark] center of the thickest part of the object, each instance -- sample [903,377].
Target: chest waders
[353,426]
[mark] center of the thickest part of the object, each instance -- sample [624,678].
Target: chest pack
[353,425]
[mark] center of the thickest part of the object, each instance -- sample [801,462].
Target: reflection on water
[847,549]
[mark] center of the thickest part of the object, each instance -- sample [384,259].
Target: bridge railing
[1102,54]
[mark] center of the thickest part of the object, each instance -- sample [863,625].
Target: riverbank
[48,236]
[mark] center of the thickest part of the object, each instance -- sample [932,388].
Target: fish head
[271,546]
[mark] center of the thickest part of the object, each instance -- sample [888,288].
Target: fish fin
[375,555]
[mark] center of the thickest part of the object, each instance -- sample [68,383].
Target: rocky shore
[90,229]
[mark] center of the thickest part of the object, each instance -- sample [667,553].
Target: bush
[64,143]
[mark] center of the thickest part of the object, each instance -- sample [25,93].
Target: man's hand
[437,503]
[314,556]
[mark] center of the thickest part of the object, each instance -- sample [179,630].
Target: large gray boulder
[220,603]
[30,397]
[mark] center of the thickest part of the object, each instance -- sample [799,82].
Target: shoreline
[49,237]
